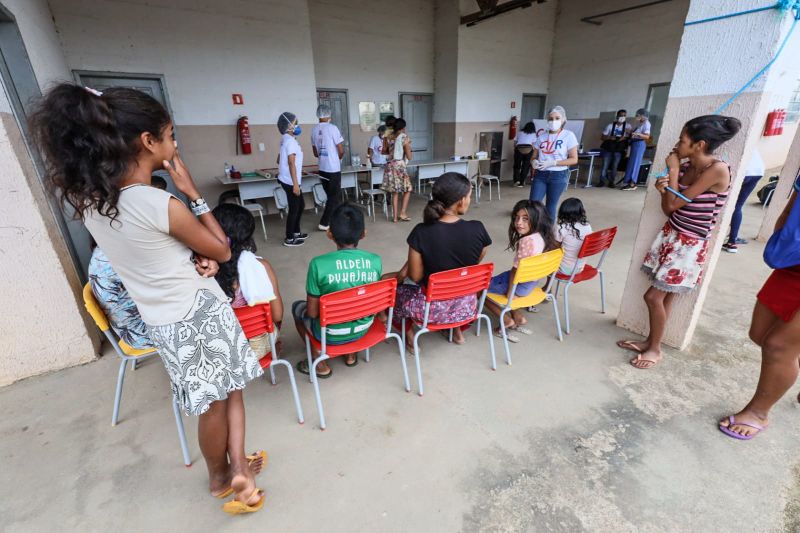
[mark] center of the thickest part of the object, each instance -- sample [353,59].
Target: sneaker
[631,187]
[730,248]
[293,242]
[518,185]
[739,240]
[323,228]
[301,236]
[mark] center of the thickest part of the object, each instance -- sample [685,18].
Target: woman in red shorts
[776,328]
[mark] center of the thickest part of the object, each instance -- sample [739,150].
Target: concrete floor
[570,438]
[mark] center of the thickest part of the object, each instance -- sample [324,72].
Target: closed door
[417,110]
[532,108]
[657,96]
[339,115]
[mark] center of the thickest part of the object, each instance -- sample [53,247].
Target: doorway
[23,90]
[657,96]
[417,110]
[340,115]
[532,107]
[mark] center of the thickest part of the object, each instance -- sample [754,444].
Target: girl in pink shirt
[529,233]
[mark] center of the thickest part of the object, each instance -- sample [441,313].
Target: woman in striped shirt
[676,259]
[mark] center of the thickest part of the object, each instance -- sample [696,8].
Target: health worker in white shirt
[375,148]
[639,138]
[328,146]
[523,151]
[554,152]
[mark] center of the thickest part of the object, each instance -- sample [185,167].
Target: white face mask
[620,119]
[554,125]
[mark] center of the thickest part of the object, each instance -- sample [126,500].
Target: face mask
[554,125]
[297,131]
[621,119]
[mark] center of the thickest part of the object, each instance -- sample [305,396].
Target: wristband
[199,207]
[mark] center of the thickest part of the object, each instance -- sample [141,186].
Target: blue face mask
[297,131]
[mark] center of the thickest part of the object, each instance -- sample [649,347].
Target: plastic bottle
[227,170]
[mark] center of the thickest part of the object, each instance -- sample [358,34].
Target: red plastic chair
[595,243]
[255,321]
[448,285]
[347,305]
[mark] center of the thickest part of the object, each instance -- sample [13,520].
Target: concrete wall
[374,49]
[49,331]
[446,23]
[206,51]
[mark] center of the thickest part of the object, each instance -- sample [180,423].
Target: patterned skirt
[410,303]
[396,178]
[675,261]
[207,356]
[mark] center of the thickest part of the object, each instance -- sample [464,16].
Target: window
[793,109]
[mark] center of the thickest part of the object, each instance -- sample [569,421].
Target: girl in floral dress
[676,259]
[397,148]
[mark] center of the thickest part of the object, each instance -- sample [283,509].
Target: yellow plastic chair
[530,269]
[128,353]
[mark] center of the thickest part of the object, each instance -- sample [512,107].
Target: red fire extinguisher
[243,136]
[773,123]
[512,128]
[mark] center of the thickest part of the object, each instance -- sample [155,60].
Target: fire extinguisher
[512,128]
[243,136]
[771,127]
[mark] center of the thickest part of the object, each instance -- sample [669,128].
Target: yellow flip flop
[250,458]
[235,507]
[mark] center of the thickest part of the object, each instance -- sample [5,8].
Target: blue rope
[782,5]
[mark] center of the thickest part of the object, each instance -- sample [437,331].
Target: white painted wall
[446,25]
[607,67]
[36,26]
[502,58]
[373,48]
[206,49]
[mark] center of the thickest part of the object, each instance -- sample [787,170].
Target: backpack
[783,248]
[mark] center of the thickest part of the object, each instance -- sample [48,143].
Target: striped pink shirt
[698,218]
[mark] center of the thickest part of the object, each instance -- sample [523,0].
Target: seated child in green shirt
[345,268]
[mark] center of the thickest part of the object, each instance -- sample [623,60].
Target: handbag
[783,248]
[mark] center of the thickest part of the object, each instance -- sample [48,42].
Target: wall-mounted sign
[367,116]
[385,109]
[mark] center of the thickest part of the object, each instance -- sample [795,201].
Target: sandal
[738,436]
[405,219]
[446,334]
[629,345]
[510,336]
[302,367]
[235,507]
[250,459]
[522,329]
[638,359]
[354,363]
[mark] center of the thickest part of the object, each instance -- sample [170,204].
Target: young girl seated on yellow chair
[529,233]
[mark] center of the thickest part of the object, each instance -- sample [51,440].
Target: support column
[782,191]
[714,61]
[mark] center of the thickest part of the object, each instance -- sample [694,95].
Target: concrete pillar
[782,191]
[714,61]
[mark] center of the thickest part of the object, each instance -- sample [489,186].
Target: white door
[417,110]
[532,108]
[339,116]
[657,96]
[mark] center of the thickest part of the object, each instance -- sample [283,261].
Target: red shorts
[781,292]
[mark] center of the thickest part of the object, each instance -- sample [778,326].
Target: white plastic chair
[376,178]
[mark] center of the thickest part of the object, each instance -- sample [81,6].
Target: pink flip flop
[732,421]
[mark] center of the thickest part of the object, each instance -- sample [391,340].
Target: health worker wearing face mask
[554,152]
[615,144]
[290,175]
[639,138]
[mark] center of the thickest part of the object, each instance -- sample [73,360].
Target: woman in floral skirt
[676,259]
[397,148]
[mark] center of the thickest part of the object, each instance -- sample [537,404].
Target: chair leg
[308,355]
[272,374]
[558,318]
[505,335]
[366,355]
[416,360]
[187,460]
[602,293]
[566,306]
[293,382]
[498,189]
[491,341]
[402,348]
[118,395]
[315,381]
[263,226]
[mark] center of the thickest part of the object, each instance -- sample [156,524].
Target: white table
[254,187]
[590,156]
[430,170]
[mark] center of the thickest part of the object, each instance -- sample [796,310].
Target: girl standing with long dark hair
[101,149]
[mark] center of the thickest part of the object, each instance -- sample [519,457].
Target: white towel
[399,154]
[254,282]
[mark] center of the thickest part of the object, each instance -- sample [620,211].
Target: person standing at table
[523,150]
[290,176]
[752,175]
[555,150]
[639,137]
[328,146]
[615,143]
[375,148]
